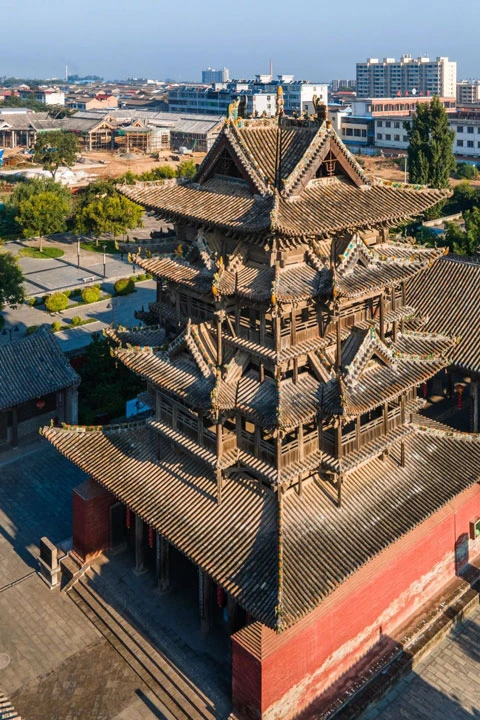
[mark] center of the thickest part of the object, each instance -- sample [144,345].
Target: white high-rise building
[407,76]
[210,75]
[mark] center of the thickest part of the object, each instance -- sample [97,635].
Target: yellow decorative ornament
[179,251]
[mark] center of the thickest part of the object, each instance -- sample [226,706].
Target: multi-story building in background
[210,75]
[336,85]
[468,92]
[47,96]
[260,96]
[407,76]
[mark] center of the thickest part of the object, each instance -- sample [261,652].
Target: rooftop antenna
[271,69]
[66,73]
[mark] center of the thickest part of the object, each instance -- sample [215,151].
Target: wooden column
[204,600]
[382,317]
[358,431]
[278,332]
[293,328]
[139,567]
[339,440]
[301,449]
[162,562]
[339,489]
[219,341]
[278,449]
[262,327]
[385,418]
[394,307]
[219,458]
[338,359]
[474,394]
[402,321]
[237,319]
[295,370]
[402,454]
[261,372]
[234,615]
[320,443]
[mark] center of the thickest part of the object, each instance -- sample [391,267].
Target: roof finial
[280,103]
[321,108]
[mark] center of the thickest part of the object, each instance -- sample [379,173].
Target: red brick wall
[91,519]
[301,663]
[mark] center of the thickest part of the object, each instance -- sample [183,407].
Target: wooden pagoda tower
[283,365]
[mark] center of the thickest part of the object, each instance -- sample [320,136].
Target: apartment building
[407,76]
[468,92]
[210,75]
[260,93]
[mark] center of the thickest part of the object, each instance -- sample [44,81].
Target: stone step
[179,698]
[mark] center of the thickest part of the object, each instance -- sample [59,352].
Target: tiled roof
[32,367]
[237,542]
[448,294]
[288,201]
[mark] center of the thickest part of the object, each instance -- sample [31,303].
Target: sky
[312,39]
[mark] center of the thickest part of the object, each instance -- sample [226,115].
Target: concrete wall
[285,673]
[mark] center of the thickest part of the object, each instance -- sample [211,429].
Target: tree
[108,213]
[465,197]
[430,153]
[465,242]
[43,214]
[54,149]
[18,210]
[187,169]
[11,281]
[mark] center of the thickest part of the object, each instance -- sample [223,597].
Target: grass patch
[43,255]
[91,246]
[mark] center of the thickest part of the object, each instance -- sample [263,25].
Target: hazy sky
[312,39]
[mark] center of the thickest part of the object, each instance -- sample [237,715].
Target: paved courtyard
[61,667]
[444,686]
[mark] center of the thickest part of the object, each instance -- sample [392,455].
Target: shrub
[164,171]
[141,277]
[44,299]
[57,301]
[38,301]
[32,301]
[91,294]
[67,293]
[134,278]
[149,276]
[32,329]
[56,326]
[76,291]
[124,286]
[76,320]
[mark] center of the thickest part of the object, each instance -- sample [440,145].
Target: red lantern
[128,518]
[424,388]
[151,537]
[220,597]
[40,404]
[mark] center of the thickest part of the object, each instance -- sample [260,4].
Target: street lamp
[78,252]
[9,331]
[104,261]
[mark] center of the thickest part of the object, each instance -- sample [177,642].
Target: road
[122,313]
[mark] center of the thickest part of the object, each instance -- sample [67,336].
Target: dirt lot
[386,168]
[111,165]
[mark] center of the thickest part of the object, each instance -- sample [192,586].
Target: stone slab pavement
[120,310]
[60,667]
[444,686]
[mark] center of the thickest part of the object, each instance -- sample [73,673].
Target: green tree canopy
[44,213]
[465,197]
[465,242]
[11,281]
[107,213]
[186,169]
[54,149]
[430,153]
